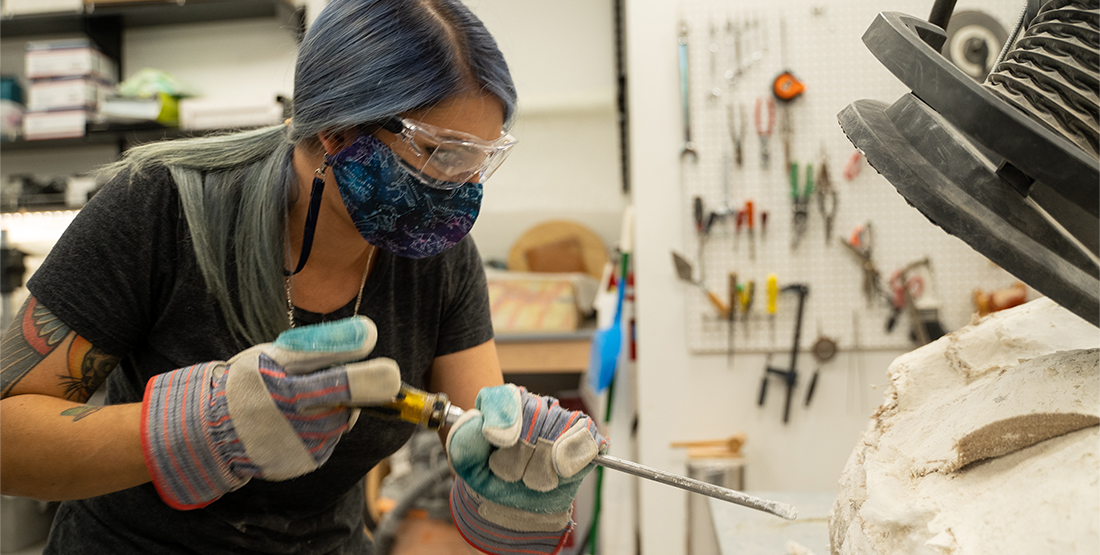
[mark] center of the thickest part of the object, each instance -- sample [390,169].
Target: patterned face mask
[393,210]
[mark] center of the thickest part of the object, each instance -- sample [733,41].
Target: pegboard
[821,44]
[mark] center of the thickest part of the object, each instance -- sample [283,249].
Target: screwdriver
[746,295]
[435,412]
[772,286]
[751,225]
[731,317]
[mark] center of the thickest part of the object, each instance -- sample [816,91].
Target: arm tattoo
[34,333]
[88,367]
[80,412]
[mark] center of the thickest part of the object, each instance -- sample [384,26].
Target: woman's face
[480,115]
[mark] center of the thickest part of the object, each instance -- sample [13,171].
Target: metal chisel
[435,411]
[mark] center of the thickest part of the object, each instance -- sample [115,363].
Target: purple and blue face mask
[393,210]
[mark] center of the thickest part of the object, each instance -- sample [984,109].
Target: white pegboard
[823,48]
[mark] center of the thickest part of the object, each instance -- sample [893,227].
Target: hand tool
[772,286]
[746,295]
[765,108]
[684,270]
[731,317]
[735,120]
[812,387]
[699,217]
[800,202]
[823,349]
[697,214]
[704,224]
[906,289]
[826,197]
[854,165]
[763,224]
[435,412]
[731,444]
[788,375]
[688,151]
[786,87]
[751,225]
[861,243]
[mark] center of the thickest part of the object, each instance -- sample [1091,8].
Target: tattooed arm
[52,445]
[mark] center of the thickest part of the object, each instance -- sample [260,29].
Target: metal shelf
[153,13]
[121,137]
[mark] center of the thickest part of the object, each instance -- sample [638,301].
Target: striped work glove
[519,459]
[275,411]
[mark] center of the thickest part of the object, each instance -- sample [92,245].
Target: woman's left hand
[520,459]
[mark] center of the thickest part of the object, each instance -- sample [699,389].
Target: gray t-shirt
[124,277]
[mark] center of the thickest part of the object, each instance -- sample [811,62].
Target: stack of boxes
[68,80]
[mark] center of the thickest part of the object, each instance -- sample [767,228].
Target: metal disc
[974,39]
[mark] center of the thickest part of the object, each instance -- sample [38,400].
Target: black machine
[1010,165]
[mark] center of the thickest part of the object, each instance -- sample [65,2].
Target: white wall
[566,165]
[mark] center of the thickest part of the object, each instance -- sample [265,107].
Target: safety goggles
[447,159]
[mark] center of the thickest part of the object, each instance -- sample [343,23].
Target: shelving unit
[123,137]
[105,25]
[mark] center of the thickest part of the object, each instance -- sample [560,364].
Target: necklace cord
[358,297]
[307,245]
[311,218]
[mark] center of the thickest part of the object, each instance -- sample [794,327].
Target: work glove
[519,459]
[270,412]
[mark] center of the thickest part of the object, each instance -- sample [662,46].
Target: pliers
[800,201]
[826,198]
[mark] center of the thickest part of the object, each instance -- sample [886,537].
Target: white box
[47,59]
[20,7]
[76,190]
[69,93]
[205,113]
[55,125]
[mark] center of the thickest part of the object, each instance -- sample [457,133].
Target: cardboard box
[70,93]
[55,125]
[73,58]
[203,113]
[24,7]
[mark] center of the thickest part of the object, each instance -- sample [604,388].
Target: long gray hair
[361,62]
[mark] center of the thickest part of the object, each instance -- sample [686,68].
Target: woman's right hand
[275,411]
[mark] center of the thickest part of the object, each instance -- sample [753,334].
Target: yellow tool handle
[773,292]
[746,295]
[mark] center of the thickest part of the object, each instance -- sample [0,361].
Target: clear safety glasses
[447,159]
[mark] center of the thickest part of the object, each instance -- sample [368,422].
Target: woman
[227,433]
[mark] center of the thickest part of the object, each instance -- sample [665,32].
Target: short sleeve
[466,319]
[104,276]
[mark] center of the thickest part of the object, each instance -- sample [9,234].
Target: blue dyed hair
[414,54]
[361,62]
